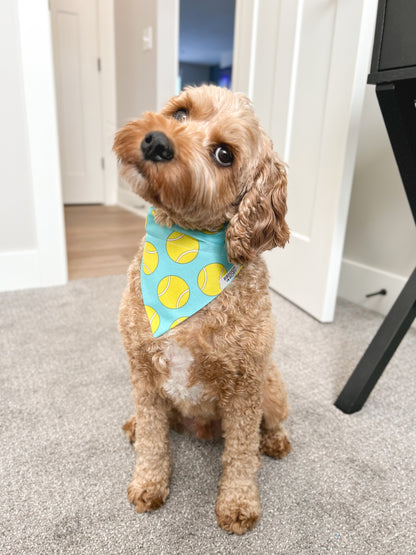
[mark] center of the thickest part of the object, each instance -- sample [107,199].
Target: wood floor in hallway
[101,240]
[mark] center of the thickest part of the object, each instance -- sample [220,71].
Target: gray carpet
[348,486]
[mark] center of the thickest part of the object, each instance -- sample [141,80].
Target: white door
[306,73]
[75,39]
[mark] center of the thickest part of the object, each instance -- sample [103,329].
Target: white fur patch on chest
[176,386]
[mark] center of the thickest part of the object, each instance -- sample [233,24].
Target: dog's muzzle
[157,147]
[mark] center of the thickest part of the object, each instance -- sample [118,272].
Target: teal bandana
[182,271]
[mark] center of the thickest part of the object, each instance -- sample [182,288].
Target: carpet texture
[347,487]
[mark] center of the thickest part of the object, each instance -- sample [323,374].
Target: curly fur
[223,351]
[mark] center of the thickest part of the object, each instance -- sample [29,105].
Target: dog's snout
[157,147]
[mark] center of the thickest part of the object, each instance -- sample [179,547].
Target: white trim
[106,49]
[293,80]
[253,46]
[245,35]
[167,50]
[19,270]
[47,264]
[357,280]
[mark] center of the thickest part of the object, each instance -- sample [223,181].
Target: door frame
[45,264]
[106,49]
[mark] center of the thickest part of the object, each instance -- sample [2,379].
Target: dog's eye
[181,114]
[223,156]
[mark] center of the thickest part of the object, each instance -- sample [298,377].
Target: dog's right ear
[259,223]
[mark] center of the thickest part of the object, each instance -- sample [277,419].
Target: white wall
[146,79]
[32,240]
[16,187]
[380,244]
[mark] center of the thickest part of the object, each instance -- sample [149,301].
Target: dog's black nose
[157,147]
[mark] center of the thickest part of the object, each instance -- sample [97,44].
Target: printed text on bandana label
[225,280]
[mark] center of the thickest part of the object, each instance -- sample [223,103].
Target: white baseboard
[357,280]
[19,270]
[132,202]
[25,270]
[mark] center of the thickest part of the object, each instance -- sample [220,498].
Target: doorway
[206,38]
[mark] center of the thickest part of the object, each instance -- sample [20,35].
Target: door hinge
[99,64]
[102,163]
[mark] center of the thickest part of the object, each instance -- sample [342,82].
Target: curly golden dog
[206,164]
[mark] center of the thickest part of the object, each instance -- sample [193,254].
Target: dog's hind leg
[129,428]
[274,440]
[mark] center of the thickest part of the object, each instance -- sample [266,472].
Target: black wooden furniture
[393,71]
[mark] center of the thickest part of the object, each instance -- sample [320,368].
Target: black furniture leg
[380,350]
[397,103]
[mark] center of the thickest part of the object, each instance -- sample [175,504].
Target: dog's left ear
[259,223]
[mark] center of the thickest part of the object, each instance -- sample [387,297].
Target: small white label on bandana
[229,276]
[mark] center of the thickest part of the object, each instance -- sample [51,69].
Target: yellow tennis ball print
[181,248]
[209,279]
[150,258]
[153,317]
[173,292]
[178,321]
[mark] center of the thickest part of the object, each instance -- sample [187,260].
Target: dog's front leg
[150,485]
[238,503]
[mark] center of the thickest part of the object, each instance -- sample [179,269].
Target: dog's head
[205,161]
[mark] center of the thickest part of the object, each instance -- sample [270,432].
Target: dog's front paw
[147,496]
[238,509]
